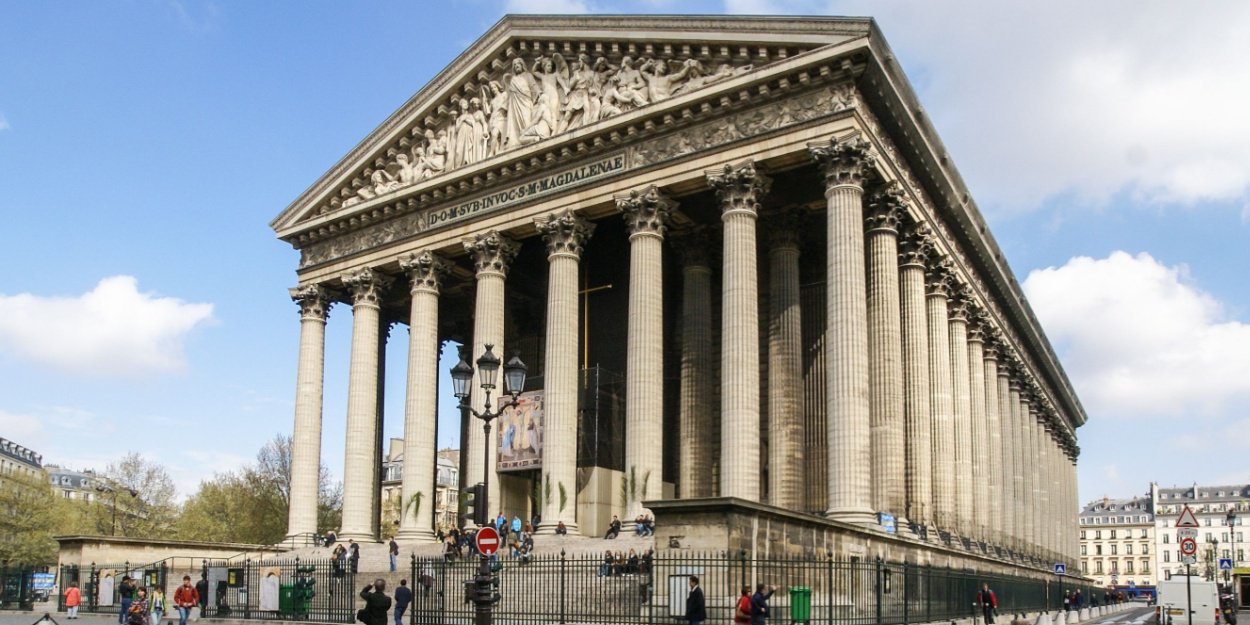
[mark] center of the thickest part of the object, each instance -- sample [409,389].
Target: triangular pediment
[531,79]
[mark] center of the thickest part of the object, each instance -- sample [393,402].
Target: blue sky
[146,144]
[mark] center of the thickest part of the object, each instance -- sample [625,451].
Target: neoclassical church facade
[741,268]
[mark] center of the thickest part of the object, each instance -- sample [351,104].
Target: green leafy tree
[150,512]
[27,520]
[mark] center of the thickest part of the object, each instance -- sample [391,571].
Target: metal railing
[17,589]
[653,589]
[265,590]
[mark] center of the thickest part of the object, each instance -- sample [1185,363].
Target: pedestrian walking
[988,603]
[137,608]
[376,604]
[403,597]
[742,609]
[73,597]
[394,553]
[127,594]
[201,589]
[759,604]
[157,601]
[696,607]
[185,598]
[355,555]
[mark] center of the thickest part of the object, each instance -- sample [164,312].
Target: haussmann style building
[755,297]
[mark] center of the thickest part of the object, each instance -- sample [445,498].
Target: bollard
[1074,617]
[1042,619]
[1060,618]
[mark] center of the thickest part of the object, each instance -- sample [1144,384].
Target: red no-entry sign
[487,541]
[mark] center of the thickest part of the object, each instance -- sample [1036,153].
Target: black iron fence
[653,589]
[315,589]
[18,587]
[101,585]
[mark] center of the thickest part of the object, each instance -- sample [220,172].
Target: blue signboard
[42,581]
[887,522]
[1061,568]
[1226,564]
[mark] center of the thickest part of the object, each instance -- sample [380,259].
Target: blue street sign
[1061,568]
[887,522]
[1226,564]
[42,581]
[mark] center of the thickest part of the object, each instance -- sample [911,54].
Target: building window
[1113,550]
[1165,539]
[1098,566]
[1097,550]
[1167,556]
[1112,534]
[1207,521]
[1097,534]
[1145,549]
[1128,549]
[1143,532]
[1128,567]
[1208,537]
[1082,533]
[1082,549]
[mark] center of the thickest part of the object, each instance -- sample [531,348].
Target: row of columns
[923,419]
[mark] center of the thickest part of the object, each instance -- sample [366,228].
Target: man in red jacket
[185,598]
[988,603]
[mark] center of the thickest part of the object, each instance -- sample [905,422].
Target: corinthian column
[360,490]
[786,452]
[994,441]
[913,249]
[1028,425]
[941,402]
[306,438]
[425,273]
[980,485]
[695,410]
[739,190]
[885,349]
[846,162]
[646,214]
[1019,446]
[565,234]
[961,401]
[492,254]
[1011,520]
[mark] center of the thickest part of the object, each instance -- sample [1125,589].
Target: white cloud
[24,430]
[111,330]
[1139,340]
[1084,99]
[4,122]
[546,6]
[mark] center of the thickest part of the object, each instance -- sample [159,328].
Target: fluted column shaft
[360,460]
[565,235]
[962,416]
[941,401]
[786,453]
[646,214]
[915,339]
[1028,495]
[695,403]
[994,442]
[846,163]
[982,487]
[1018,447]
[740,190]
[309,390]
[885,347]
[492,254]
[417,501]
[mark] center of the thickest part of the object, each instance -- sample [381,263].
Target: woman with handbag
[742,609]
[137,614]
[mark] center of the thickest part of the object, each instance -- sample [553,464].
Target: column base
[856,516]
[360,537]
[415,536]
[549,529]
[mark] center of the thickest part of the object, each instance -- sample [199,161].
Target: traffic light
[474,499]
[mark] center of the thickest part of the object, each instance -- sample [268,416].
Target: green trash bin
[286,605]
[800,604]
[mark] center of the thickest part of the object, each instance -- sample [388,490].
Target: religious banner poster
[521,434]
[269,587]
[104,589]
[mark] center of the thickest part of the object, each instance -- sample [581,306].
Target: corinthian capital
[694,247]
[885,208]
[565,233]
[366,286]
[783,228]
[915,245]
[314,302]
[977,322]
[957,300]
[939,280]
[740,189]
[492,252]
[846,160]
[646,211]
[425,270]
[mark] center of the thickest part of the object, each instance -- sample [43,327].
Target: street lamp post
[514,382]
[1231,518]
[112,490]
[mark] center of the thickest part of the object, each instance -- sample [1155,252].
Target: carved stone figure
[469,130]
[699,77]
[604,72]
[660,82]
[631,87]
[436,152]
[522,93]
[497,99]
[553,80]
[407,170]
[582,105]
[543,124]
